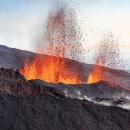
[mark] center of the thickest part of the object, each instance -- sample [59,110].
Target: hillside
[28,105]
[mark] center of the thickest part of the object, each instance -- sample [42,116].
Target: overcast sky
[21,21]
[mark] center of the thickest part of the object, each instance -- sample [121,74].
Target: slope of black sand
[48,112]
[26,105]
[102,92]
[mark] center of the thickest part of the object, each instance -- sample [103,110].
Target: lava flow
[60,40]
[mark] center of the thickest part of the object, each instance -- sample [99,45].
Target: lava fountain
[60,39]
[95,75]
[108,56]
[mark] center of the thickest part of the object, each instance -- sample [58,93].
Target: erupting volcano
[61,39]
[69,82]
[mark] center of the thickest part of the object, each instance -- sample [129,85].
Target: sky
[21,22]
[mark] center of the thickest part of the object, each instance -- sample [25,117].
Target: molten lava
[50,69]
[95,75]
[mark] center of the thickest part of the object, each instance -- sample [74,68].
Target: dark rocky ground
[101,89]
[27,105]
[102,92]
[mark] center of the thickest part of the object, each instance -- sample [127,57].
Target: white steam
[121,100]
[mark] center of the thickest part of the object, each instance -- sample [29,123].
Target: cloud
[33,1]
[18,31]
[91,2]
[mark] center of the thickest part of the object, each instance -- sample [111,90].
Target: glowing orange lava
[95,75]
[50,69]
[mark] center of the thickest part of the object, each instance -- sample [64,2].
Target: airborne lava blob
[61,39]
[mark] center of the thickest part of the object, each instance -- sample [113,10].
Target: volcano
[62,40]
[53,90]
[26,104]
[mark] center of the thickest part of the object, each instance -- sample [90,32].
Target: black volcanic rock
[11,74]
[15,83]
[48,112]
[26,105]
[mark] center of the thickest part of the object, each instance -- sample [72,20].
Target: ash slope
[13,58]
[101,89]
[28,105]
[102,92]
